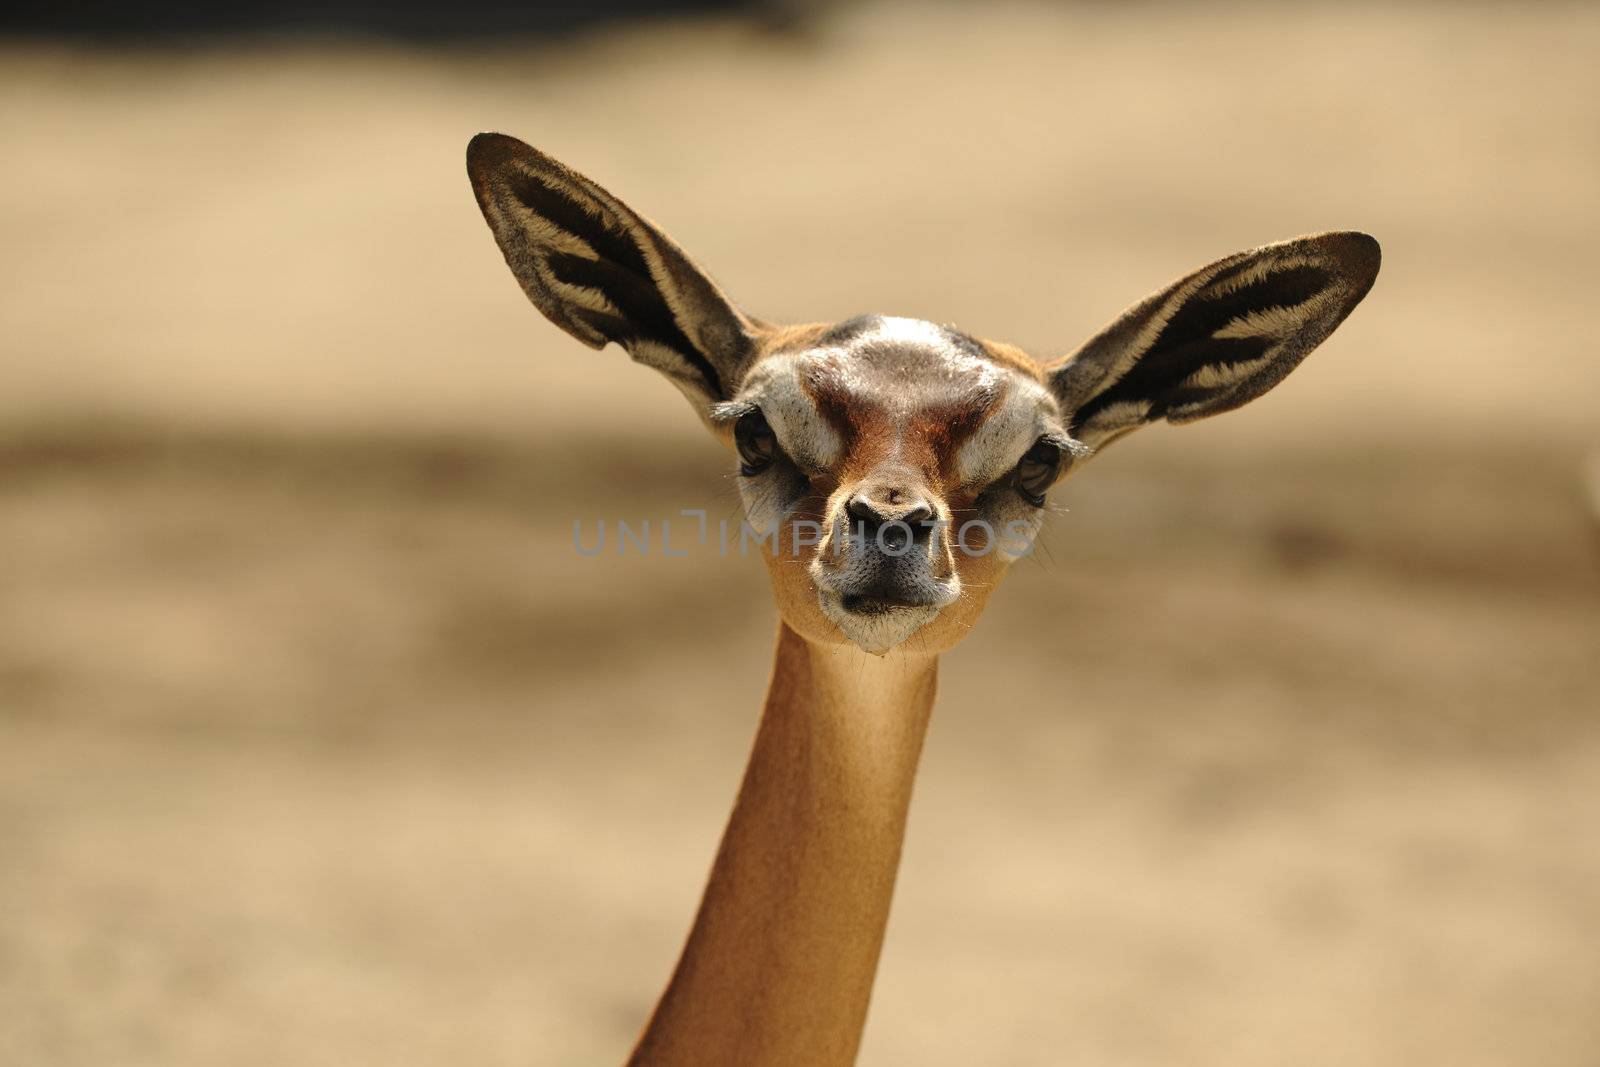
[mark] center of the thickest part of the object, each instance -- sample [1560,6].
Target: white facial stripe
[807,437]
[1026,413]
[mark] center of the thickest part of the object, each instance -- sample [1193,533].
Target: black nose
[893,531]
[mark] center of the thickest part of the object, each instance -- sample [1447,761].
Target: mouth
[878,619]
[879,603]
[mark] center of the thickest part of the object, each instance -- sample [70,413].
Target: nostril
[862,512]
[921,522]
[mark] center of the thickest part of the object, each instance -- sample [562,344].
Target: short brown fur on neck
[778,968]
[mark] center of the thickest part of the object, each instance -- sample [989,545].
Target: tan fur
[779,966]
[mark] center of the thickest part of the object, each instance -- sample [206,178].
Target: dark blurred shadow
[409,19]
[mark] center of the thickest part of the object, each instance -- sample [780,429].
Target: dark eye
[756,443]
[1037,471]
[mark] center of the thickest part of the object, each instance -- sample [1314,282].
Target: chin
[880,629]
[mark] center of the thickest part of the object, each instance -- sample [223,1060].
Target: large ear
[1218,338]
[602,273]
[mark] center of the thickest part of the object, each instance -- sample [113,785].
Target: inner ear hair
[602,273]
[1215,339]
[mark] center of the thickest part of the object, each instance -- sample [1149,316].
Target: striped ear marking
[602,273]
[1217,338]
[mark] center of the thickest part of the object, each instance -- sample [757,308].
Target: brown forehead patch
[946,429]
[850,410]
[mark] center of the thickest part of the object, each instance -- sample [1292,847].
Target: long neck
[779,966]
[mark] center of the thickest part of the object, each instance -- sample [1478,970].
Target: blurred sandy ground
[318,744]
